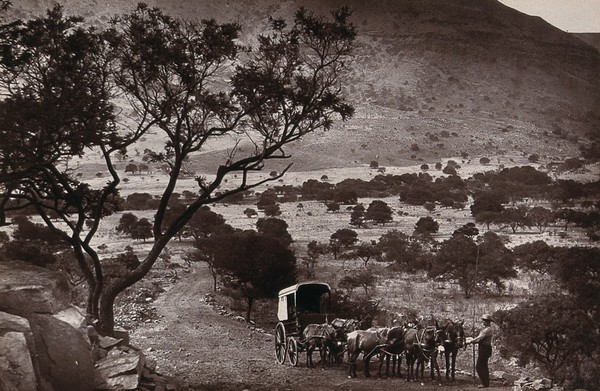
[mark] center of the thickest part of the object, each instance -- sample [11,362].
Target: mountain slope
[430,79]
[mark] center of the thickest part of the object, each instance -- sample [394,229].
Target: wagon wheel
[292,351]
[280,343]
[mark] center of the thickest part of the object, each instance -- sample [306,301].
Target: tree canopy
[474,265]
[259,266]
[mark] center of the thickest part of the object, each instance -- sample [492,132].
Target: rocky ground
[201,346]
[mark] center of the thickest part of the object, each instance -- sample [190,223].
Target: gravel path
[206,350]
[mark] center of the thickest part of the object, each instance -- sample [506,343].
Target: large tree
[474,265]
[342,238]
[190,82]
[401,250]
[379,212]
[256,265]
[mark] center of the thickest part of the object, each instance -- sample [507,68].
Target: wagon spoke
[292,351]
[280,343]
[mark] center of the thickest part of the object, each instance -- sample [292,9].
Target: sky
[573,16]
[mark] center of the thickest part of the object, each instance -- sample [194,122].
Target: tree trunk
[3,202]
[249,310]
[106,319]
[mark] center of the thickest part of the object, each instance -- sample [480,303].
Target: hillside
[592,39]
[430,79]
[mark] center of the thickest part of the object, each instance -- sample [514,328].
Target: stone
[121,382]
[523,380]
[122,334]
[151,364]
[108,342]
[98,353]
[122,371]
[541,384]
[63,354]
[505,377]
[10,322]
[26,289]
[74,316]
[16,367]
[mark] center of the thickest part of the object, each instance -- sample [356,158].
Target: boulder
[16,367]
[27,289]
[17,348]
[63,354]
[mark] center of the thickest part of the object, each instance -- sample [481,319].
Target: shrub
[553,332]
[449,170]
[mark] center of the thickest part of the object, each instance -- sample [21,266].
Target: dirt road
[205,350]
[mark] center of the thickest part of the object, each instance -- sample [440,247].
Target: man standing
[484,351]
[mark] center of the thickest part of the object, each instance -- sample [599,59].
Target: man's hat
[487,317]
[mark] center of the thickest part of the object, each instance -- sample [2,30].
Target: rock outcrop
[43,345]
[46,343]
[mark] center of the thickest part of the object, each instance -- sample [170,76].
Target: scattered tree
[341,238]
[127,222]
[514,218]
[314,251]
[272,210]
[426,226]
[207,249]
[472,265]
[274,228]
[203,223]
[363,279]
[142,229]
[249,212]
[132,168]
[256,265]
[357,217]
[399,249]
[332,206]
[469,229]
[536,256]
[379,212]
[363,251]
[540,217]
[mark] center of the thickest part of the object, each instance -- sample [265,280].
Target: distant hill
[430,78]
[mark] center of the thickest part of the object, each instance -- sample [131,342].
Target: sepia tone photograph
[248,195]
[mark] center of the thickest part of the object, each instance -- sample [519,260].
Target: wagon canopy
[310,297]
